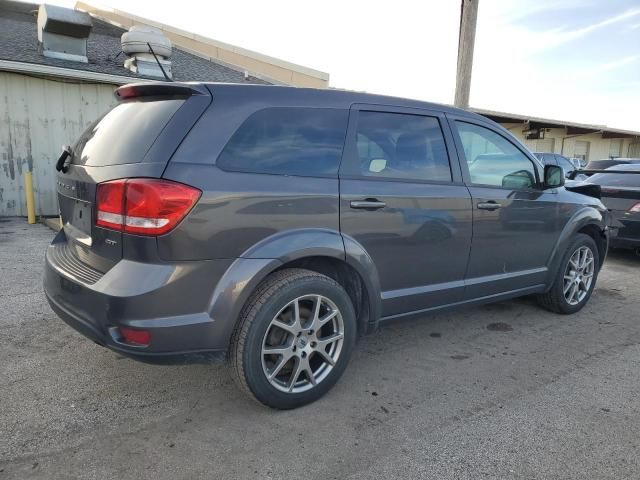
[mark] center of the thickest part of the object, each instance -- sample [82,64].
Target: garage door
[581,150]
[541,145]
[634,150]
[545,145]
[615,148]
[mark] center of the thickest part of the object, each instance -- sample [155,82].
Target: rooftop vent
[63,33]
[135,43]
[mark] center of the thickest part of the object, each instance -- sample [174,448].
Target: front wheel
[576,277]
[294,338]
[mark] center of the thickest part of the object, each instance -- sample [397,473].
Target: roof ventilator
[63,33]
[140,43]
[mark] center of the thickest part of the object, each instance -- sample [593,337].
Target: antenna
[166,77]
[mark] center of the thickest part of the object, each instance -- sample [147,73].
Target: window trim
[537,164]
[334,175]
[349,167]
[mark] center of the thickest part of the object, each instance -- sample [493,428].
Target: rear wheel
[294,338]
[576,277]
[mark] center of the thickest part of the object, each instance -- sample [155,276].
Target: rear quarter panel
[238,210]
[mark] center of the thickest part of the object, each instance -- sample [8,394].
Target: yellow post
[28,191]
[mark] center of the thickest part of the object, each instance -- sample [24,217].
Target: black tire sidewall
[581,240]
[252,360]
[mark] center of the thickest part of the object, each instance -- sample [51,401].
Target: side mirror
[553,176]
[518,180]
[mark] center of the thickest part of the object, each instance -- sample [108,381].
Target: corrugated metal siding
[37,117]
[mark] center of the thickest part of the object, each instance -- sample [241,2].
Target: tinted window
[602,164]
[546,158]
[493,160]
[288,141]
[393,145]
[566,165]
[125,133]
[615,179]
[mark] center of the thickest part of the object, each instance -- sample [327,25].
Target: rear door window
[288,141]
[124,134]
[401,146]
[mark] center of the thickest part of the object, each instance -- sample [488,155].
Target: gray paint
[429,248]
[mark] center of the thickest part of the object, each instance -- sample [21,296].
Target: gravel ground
[447,396]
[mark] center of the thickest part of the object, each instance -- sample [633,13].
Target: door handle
[368,204]
[491,205]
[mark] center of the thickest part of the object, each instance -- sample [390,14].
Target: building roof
[573,128]
[271,69]
[19,43]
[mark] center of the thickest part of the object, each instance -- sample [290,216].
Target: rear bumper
[624,242]
[628,233]
[170,300]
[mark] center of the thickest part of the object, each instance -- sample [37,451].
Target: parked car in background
[610,162]
[621,195]
[579,162]
[548,158]
[273,225]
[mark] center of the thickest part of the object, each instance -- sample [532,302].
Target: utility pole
[468,18]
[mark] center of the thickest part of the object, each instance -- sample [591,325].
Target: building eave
[503,117]
[68,73]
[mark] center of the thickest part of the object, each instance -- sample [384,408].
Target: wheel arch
[596,232]
[348,277]
[589,221]
[320,250]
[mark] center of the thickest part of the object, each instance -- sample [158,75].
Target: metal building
[574,140]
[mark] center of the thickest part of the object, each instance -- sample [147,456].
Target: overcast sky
[575,60]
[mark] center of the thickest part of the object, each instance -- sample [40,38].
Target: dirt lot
[447,396]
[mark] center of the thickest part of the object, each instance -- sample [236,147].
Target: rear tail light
[144,206]
[635,208]
[134,336]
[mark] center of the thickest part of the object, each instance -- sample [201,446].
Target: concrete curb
[54,223]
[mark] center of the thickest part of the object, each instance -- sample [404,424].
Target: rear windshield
[125,133]
[602,164]
[615,179]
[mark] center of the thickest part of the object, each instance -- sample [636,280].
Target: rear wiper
[62,165]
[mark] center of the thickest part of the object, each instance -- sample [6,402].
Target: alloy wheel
[578,275]
[302,343]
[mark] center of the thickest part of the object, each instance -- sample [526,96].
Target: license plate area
[76,218]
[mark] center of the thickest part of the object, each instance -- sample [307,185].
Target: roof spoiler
[159,89]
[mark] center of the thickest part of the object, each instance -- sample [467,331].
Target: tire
[301,369]
[555,299]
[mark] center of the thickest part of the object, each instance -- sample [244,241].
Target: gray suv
[271,226]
